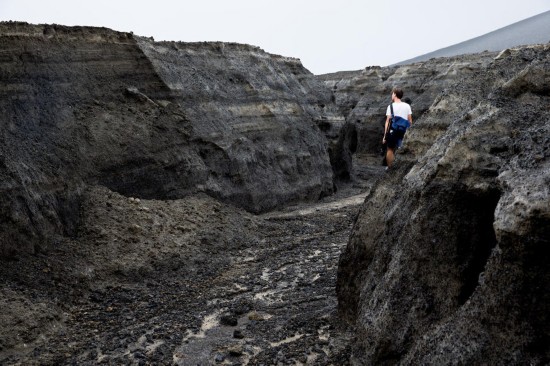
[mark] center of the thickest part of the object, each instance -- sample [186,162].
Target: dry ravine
[211,203]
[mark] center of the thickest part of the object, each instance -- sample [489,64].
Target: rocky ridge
[445,261]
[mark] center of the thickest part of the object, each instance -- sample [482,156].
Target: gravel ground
[186,282]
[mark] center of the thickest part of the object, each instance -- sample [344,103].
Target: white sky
[327,35]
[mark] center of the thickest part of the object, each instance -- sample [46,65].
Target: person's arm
[386,129]
[410,117]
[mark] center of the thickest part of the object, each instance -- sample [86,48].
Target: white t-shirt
[400,109]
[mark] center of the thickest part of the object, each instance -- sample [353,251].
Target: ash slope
[533,30]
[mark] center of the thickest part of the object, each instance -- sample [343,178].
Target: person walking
[391,137]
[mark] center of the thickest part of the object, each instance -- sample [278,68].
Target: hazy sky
[327,36]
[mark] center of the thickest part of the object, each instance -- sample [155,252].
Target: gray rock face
[258,118]
[88,106]
[447,262]
[363,97]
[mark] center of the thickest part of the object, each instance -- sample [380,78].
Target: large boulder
[447,262]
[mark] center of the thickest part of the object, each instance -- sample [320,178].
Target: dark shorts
[393,139]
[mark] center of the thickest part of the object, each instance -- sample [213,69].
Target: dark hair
[398,92]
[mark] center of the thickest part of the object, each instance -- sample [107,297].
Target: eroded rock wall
[68,119]
[85,106]
[446,262]
[262,120]
[364,95]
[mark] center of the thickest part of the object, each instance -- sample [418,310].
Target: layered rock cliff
[363,96]
[85,106]
[447,262]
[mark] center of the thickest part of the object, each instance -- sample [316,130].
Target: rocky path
[277,304]
[226,288]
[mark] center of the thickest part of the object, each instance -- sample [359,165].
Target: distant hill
[533,30]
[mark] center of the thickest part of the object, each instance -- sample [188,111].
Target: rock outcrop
[447,262]
[89,106]
[363,97]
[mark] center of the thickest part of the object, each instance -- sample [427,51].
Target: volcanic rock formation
[130,156]
[85,106]
[447,262]
[363,96]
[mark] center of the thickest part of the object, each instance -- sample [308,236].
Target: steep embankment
[69,117]
[447,262]
[84,106]
[257,117]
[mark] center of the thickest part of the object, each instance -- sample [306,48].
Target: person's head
[398,92]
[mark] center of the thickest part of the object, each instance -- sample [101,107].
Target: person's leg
[390,156]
